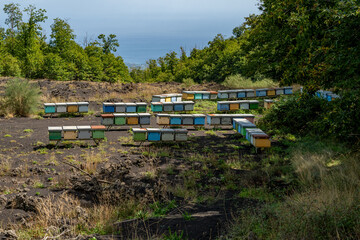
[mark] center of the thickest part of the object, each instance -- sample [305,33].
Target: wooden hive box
[279,91]
[223,106]
[70,132]
[198,95]
[167,135]
[179,106]
[188,95]
[239,122]
[223,94]
[260,140]
[61,107]
[141,107]
[268,103]
[72,107]
[83,107]
[49,107]
[244,104]
[226,119]
[199,119]
[167,99]
[107,119]
[261,92]
[249,131]
[178,97]
[181,135]
[144,118]
[241,93]
[156,98]
[213,95]
[153,134]
[120,107]
[132,119]
[188,105]
[163,119]
[120,118]
[288,90]
[233,106]
[168,107]
[253,104]
[84,132]
[187,119]
[98,131]
[232,94]
[175,119]
[250,93]
[130,107]
[245,125]
[206,95]
[55,133]
[156,106]
[108,107]
[271,92]
[139,134]
[213,119]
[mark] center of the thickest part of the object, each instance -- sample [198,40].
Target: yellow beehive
[234,106]
[132,120]
[70,132]
[262,141]
[271,92]
[168,99]
[163,119]
[72,108]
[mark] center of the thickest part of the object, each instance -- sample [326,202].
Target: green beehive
[139,134]
[254,104]
[141,107]
[54,133]
[98,132]
[120,118]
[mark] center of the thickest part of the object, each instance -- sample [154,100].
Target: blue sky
[147,29]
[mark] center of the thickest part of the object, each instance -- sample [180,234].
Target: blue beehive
[223,106]
[50,107]
[175,119]
[288,90]
[223,94]
[241,94]
[108,107]
[261,92]
[157,106]
[206,95]
[130,107]
[154,134]
[178,107]
[199,119]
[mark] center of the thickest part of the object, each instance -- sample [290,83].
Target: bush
[22,98]
[188,82]
[238,81]
[10,66]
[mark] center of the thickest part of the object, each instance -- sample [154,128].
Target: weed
[161,209]
[38,185]
[174,235]
[187,216]
[7,135]
[42,151]
[28,130]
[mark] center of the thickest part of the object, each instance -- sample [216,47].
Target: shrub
[238,81]
[22,98]
[188,82]
[10,66]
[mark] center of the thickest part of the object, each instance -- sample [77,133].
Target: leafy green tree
[14,15]
[109,43]
[62,36]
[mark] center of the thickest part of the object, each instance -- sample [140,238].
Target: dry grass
[5,165]
[238,81]
[92,160]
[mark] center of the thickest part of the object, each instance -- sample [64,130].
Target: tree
[14,15]
[62,36]
[109,43]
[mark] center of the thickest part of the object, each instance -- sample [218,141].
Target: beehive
[108,107]
[84,132]
[61,107]
[178,107]
[156,106]
[179,98]
[213,119]
[188,95]
[187,119]
[175,119]
[72,107]
[188,105]
[120,107]
[167,135]
[49,107]
[130,107]
[279,91]
[260,140]
[55,133]
[288,90]
[70,132]
[232,94]
[153,134]
[141,107]
[173,99]
[180,134]
[253,104]
[250,92]
[206,95]
[83,107]
[198,96]
[120,118]
[144,118]
[245,125]
[268,103]
[226,119]
[251,130]
[162,99]
[168,99]
[168,107]
[98,132]
[271,92]
[241,93]
[107,119]
[234,106]
[223,106]
[199,119]
[244,104]
[238,122]
[213,95]
[156,98]
[261,92]
[223,94]
[139,134]
[163,119]
[132,119]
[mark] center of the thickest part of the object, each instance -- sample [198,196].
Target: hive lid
[242,115]
[156,96]
[144,114]
[49,104]
[213,115]
[178,103]
[223,102]
[69,128]
[139,129]
[132,115]
[156,103]
[82,103]
[288,87]
[253,130]
[168,103]
[98,127]
[119,114]
[261,89]
[175,115]
[279,88]
[260,135]
[248,125]
[268,100]
[54,129]
[249,90]
[181,130]
[153,129]
[119,104]
[213,92]
[108,104]
[130,104]
[186,115]
[167,130]
[141,104]
[199,115]
[72,103]
[188,102]
[163,115]
[241,120]
[61,104]
[108,115]
[87,127]
[253,101]
[189,92]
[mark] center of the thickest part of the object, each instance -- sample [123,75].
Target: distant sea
[137,50]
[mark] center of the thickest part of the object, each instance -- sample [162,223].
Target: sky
[147,29]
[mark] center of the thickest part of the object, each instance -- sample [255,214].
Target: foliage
[238,81]
[22,98]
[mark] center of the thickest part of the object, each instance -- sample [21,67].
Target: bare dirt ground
[31,168]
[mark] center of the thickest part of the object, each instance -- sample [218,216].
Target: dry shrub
[238,81]
[5,165]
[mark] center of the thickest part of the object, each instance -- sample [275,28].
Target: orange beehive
[234,106]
